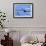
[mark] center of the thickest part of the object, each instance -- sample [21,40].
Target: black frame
[22,3]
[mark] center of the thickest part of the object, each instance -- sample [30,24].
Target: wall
[39,14]
[25,25]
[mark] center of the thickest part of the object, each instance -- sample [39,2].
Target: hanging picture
[22,10]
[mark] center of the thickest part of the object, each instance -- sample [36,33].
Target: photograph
[22,9]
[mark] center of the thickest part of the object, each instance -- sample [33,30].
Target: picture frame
[22,10]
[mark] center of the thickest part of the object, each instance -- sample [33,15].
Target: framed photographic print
[22,10]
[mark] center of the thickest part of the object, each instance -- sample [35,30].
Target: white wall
[39,13]
[25,25]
